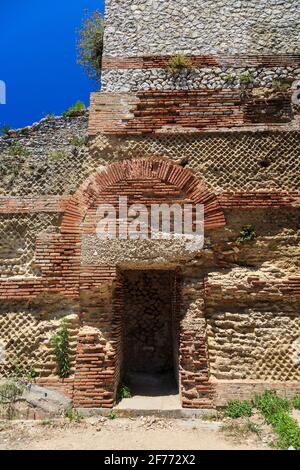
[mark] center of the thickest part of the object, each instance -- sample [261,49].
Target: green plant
[78,141]
[90,45]
[237,409]
[269,403]
[57,155]
[296,402]
[281,85]
[275,410]
[5,130]
[253,427]
[9,393]
[23,372]
[60,343]
[287,429]
[46,422]
[179,63]
[74,110]
[246,78]
[112,414]
[210,416]
[247,234]
[18,150]
[72,414]
[228,78]
[123,392]
[241,431]
[50,116]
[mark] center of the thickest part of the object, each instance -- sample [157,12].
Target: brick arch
[184,179]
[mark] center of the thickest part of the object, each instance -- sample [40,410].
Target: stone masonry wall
[227,162]
[150,27]
[43,158]
[252,177]
[26,330]
[262,343]
[222,76]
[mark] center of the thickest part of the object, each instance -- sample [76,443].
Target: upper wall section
[145,27]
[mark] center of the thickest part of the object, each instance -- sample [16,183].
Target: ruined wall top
[145,27]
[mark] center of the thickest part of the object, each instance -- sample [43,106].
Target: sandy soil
[120,434]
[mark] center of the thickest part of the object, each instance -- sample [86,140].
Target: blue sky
[38,58]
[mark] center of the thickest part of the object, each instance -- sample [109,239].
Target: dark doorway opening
[150,345]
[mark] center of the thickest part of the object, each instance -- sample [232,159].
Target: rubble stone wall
[201,26]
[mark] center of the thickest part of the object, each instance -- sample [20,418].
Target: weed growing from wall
[179,63]
[246,78]
[61,345]
[247,234]
[75,110]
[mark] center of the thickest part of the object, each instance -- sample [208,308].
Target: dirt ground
[143,433]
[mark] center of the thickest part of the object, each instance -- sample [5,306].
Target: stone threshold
[182,413]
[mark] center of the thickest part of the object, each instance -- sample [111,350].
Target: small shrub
[246,78]
[9,393]
[287,429]
[210,417]
[253,427]
[241,431]
[296,402]
[275,410]
[57,155]
[179,63]
[112,414]
[75,110]
[60,343]
[90,45]
[46,422]
[269,403]
[78,141]
[123,392]
[228,78]
[237,409]
[18,150]
[5,130]
[281,85]
[23,372]
[50,116]
[73,415]
[247,234]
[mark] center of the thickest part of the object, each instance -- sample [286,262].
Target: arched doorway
[104,264]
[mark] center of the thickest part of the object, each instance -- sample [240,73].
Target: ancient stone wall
[201,27]
[229,44]
[26,330]
[125,76]
[224,133]
[18,239]
[257,343]
[227,162]
[196,389]
[42,159]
